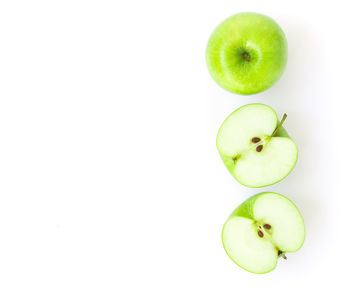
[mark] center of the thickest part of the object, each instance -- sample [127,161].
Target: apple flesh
[261,230]
[247,53]
[254,146]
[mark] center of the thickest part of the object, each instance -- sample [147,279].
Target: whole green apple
[261,230]
[247,53]
[254,146]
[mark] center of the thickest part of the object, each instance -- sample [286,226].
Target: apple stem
[280,124]
[282,254]
[246,56]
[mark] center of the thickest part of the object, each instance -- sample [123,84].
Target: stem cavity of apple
[281,254]
[235,158]
[246,56]
[280,124]
[255,140]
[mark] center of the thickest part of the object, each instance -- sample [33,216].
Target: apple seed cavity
[259,148]
[256,139]
[261,234]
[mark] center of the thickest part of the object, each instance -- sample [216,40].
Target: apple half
[254,146]
[261,230]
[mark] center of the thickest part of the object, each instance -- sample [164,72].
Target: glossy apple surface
[247,53]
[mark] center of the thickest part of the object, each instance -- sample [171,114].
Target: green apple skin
[247,53]
[245,210]
[230,163]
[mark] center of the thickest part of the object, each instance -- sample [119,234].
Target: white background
[109,174]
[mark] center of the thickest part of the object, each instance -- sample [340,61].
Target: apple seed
[256,139]
[260,233]
[267,226]
[259,148]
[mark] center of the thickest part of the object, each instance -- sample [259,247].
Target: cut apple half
[262,229]
[255,147]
